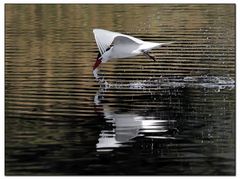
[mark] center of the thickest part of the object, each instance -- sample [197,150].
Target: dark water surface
[175,116]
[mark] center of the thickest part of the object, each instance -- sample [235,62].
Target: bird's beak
[97,63]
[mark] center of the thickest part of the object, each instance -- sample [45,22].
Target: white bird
[114,45]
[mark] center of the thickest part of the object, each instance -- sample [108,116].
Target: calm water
[175,116]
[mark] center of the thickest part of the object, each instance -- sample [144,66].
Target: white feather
[105,38]
[114,45]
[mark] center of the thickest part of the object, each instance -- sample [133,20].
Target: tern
[114,45]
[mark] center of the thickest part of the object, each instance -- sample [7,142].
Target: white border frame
[2,37]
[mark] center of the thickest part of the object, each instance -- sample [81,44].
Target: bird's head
[97,63]
[104,58]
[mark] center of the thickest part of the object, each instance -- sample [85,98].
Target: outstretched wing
[105,38]
[123,40]
[123,47]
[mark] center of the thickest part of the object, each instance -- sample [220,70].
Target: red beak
[97,63]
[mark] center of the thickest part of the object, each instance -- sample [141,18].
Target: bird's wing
[124,40]
[105,38]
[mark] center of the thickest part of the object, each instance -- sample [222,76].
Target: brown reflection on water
[57,113]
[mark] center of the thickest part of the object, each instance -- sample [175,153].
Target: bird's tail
[165,44]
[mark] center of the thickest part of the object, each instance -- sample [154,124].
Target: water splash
[211,82]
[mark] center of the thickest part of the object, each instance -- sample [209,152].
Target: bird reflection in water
[160,110]
[123,127]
